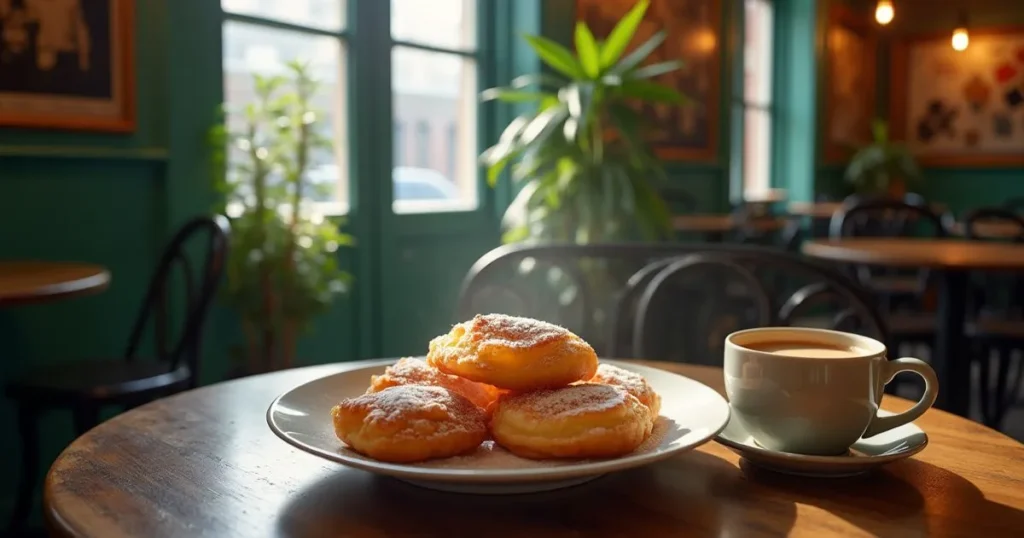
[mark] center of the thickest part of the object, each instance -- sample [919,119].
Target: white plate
[865,454]
[691,414]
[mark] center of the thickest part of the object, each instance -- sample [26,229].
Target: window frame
[367,68]
[740,105]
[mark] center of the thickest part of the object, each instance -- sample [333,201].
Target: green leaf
[622,34]
[509,95]
[639,54]
[586,49]
[544,124]
[556,56]
[653,70]
[538,79]
[650,91]
[495,169]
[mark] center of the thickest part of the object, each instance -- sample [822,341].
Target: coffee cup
[814,391]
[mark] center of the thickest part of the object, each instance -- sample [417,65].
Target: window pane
[436,94]
[251,49]
[757,128]
[757,52]
[326,14]
[442,23]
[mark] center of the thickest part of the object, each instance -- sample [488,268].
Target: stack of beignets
[540,385]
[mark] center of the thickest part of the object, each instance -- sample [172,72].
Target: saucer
[865,455]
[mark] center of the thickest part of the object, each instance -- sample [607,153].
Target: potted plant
[585,171]
[883,166]
[282,270]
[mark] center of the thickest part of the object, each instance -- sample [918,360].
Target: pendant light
[884,12]
[960,37]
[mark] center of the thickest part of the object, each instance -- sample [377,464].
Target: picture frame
[850,95]
[687,132]
[960,108]
[70,68]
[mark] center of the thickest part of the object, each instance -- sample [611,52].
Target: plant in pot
[882,166]
[583,167]
[282,270]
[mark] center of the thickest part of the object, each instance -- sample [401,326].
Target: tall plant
[585,169]
[282,270]
[882,165]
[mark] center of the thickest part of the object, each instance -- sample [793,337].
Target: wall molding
[151,154]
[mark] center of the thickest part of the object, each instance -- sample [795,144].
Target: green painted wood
[794,129]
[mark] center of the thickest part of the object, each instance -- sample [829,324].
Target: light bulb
[884,12]
[960,39]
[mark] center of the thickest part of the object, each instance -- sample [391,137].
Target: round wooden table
[990,230]
[715,226]
[36,282]
[954,260]
[205,463]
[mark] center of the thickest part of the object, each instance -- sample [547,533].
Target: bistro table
[714,226]
[36,282]
[205,463]
[990,230]
[954,260]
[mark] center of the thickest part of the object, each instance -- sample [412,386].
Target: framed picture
[67,64]
[850,83]
[687,132]
[961,108]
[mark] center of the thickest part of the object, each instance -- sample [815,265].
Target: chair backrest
[197,253]
[975,219]
[665,301]
[1015,204]
[878,216]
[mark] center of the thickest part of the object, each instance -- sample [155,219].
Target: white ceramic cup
[818,406]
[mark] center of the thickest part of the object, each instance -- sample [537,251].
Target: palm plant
[585,170]
[883,165]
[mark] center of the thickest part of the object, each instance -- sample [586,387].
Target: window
[398,144]
[754,106]
[434,85]
[261,37]
[423,144]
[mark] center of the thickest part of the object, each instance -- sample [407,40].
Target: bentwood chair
[85,387]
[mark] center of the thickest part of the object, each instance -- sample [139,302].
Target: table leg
[950,361]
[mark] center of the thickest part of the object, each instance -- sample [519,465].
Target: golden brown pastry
[519,354]
[633,382]
[587,420]
[409,371]
[409,423]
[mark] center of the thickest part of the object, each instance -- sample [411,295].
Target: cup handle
[931,390]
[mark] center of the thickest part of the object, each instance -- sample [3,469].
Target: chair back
[665,301]
[196,254]
[877,216]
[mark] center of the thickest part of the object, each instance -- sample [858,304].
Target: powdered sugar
[613,375]
[514,332]
[572,400]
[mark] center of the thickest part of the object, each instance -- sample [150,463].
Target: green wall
[960,188]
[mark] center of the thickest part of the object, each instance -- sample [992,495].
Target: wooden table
[989,230]
[36,282]
[204,463]
[815,210]
[953,259]
[715,226]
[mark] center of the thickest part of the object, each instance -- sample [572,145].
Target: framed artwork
[67,64]
[850,83]
[961,108]
[694,29]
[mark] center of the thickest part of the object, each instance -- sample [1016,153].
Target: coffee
[811,350]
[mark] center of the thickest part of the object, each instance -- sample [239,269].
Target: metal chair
[996,327]
[666,301]
[84,387]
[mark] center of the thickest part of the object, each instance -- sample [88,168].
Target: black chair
[996,327]
[604,293]
[85,387]
[900,290]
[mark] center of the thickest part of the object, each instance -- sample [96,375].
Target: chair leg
[86,417]
[28,430]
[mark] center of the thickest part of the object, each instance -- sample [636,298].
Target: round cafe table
[205,463]
[715,226]
[37,282]
[953,260]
